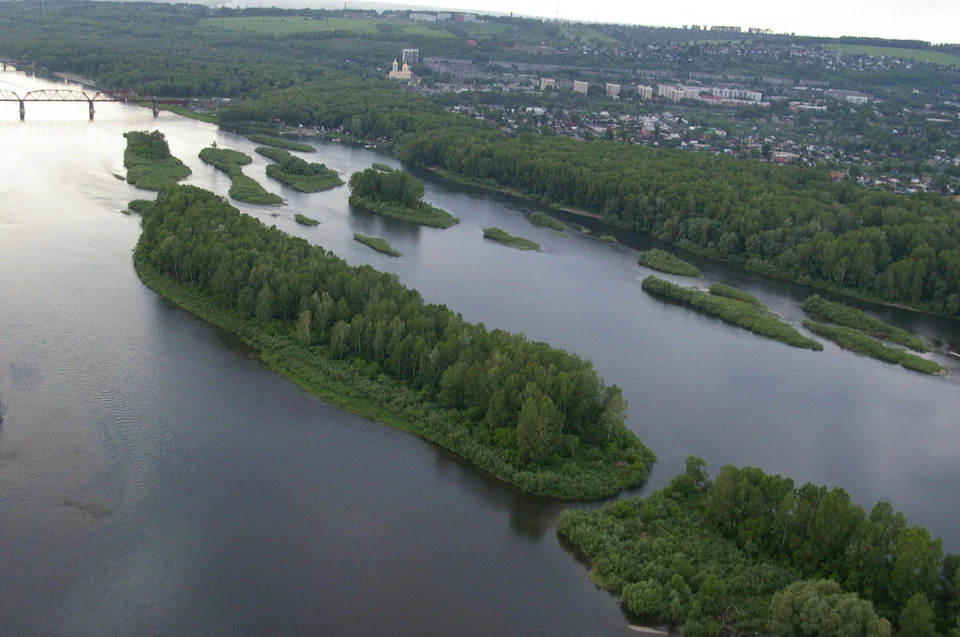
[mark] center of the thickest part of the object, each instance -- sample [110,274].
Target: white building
[410,56]
[580,87]
[444,17]
[645,92]
[677,93]
[423,17]
[613,90]
[547,82]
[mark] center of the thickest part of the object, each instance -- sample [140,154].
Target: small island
[751,315]
[148,161]
[665,262]
[278,142]
[398,195]
[856,341]
[546,221]
[242,188]
[606,238]
[378,244]
[381,167]
[305,220]
[504,237]
[851,317]
[297,173]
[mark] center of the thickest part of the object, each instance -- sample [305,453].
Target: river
[156,479]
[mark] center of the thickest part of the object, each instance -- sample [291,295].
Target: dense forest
[537,417]
[750,552]
[792,222]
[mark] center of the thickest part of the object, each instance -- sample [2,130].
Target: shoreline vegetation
[148,161]
[749,553]
[851,317]
[279,142]
[546,221]
[304,220]
[396,194]
[542,420]
[670,263]
[856,341]
[381,167]
[139,206]
[752,316]
[378,244]
[297,173]
[242,187]
[504,237]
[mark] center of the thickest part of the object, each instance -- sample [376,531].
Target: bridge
[68,95]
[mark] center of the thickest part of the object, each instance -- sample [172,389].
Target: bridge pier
[91,110]
[23,111]
[156,110]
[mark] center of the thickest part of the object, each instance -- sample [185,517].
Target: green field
[917,55]
[284,26]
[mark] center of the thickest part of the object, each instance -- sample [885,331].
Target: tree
[539,429]
[917,617]
[916,567]
[818,608]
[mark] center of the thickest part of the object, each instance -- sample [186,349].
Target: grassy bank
[378,244]
[857,319]
[297,173]
[856,341]
[148,161]
[183,111]
[305,220]
[242,187]
[752,317]
[669,263]
[501,236]
[279,142]
[546,221]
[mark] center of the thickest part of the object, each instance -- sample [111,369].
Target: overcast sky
[936,21]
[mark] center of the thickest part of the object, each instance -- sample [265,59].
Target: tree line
[789,221]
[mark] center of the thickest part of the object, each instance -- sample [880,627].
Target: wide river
[156,479]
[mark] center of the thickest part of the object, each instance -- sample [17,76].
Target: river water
[156,479]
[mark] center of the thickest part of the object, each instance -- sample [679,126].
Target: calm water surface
[156,479]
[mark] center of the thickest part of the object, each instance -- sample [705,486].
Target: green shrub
[501,236]
[378,244]
[279,142]
[719,289]
[669,263]
[749,316]
[541,219]
[856,341]
[305,220]
[847,316]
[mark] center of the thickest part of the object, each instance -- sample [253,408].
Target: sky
[935,21]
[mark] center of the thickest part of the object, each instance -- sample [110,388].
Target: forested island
[297,173]
[533,416]
[396,194]
[242,187]
[546,221]
[735,307]
[148,161]
[748,552]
